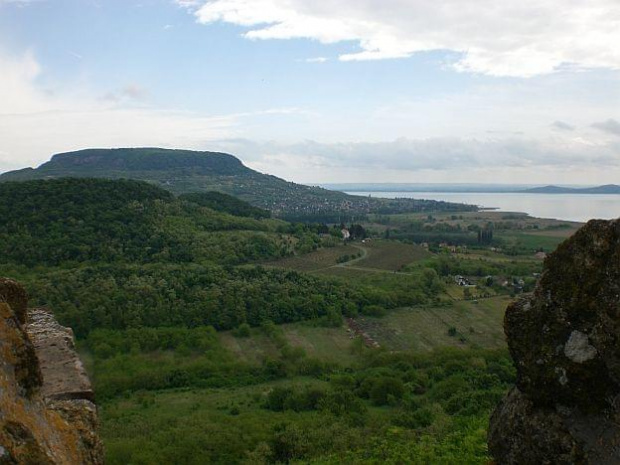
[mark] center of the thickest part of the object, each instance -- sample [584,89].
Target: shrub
[386,389]
[243,330]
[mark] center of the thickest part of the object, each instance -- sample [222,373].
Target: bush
[243,330]
[374,310]
[386,390]
[341,403]
[419,418]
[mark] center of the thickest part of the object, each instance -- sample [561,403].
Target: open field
[328,344]
[373,254]
[423,329]
[253,349]
[407,329]
[533,241]
[317,260]
[390,255]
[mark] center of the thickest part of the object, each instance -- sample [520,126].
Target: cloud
[611,126]
[510,38]
[562,126]
[316,60]
[18,2]
[17,92]
[35,123]
[129,92]
[440,153]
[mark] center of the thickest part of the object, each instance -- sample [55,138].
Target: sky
[322,91]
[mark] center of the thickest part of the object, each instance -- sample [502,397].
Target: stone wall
[47,414]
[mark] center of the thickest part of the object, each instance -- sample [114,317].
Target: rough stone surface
[62,369]
[14,294]
[578,348]
[564,340]
[42,420]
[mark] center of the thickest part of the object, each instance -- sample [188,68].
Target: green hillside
[72,220]
[226,203]
[185,171]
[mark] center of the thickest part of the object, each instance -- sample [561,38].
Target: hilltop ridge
[145,159]
[187,171]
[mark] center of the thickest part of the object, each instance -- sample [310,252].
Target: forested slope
[94,220]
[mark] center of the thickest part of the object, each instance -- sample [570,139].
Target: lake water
[568,207]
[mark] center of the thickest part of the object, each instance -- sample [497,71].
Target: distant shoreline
[609,189]
[575,207]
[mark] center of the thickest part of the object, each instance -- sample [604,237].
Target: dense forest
[165,295]
[225,203]
[87,220]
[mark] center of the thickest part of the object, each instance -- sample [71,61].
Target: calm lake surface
[569,207]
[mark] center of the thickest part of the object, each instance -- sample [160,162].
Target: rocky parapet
[46,411]
[63,372]
[565,343]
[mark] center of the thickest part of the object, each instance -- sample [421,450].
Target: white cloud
[316,60]
[501,38]
[443,157]
[35,123]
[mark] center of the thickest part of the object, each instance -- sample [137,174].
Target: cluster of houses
[462,281]
[453,248]
[307,205]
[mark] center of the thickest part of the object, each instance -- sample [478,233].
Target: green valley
[214,333]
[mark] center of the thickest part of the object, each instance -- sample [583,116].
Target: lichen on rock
[12,293]
[578,348]
[42,420]
[564,340]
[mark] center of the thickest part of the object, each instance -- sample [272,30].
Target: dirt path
[364,251]
[350,264]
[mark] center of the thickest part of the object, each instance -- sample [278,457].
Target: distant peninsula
[471,188]
[606,189]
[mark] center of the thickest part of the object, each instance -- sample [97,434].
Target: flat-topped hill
[186,171]
[140,159]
